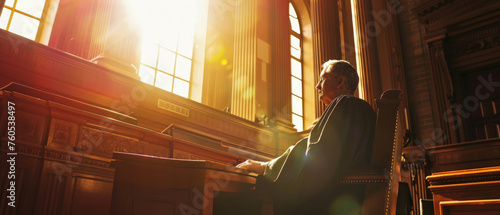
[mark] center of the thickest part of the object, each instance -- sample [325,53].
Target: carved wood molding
[62,133]
[24,149]
[442,14]
[105,143]
[465,176]
[430,7]
[74,159]
[485,38]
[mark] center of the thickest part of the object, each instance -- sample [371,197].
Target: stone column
[123,42]
[346,32]
[326,37]
[245,60]
[217,80]
[366,49]
[80,27]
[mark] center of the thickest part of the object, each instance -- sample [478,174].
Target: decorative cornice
[25,149]
[430,7]
[437,10]
[476,41]
[75,159]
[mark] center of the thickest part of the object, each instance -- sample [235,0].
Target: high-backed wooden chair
[382,178]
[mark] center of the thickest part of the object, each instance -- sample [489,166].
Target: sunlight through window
[296,66]
[22,17]
[168,28]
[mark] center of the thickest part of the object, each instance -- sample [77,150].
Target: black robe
[305,179]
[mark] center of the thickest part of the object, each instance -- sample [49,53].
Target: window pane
[166,61]
[295,25]
[297,87]
[9,3]
[186,46]
[169,40]
[4,19]
[149,54]
[298,122]
[187,24]
[32,7]
[296,105]
[296,68]
[292,11]
[24,26]
[181,88]
[147,74]
[183,68]
[295,52]
[295,42]
[164,81]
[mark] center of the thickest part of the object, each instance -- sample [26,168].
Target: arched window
[168,43]
[23,17]
[296,66]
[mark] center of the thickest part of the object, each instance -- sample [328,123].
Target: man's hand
[253,166]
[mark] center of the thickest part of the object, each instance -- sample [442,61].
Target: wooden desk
[464,192]
[156,185]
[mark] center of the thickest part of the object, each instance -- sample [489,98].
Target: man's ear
[340,81]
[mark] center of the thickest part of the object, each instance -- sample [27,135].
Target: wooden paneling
[467,155]
[91,195]
[53,187]
[27,181]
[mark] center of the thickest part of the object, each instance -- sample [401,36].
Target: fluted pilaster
[245,59]
[75,35]
[366,49]
[326,37]
[282,108]
[217,78]
[100,28]
[445,114]
[346,32]
[121,52]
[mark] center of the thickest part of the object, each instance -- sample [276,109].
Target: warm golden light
[163,20]
[168,32]
[296,69]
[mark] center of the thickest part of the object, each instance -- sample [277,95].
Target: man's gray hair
[344,69]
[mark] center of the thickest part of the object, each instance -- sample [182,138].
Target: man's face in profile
[328,86]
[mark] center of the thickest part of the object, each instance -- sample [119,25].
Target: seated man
[306,178]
